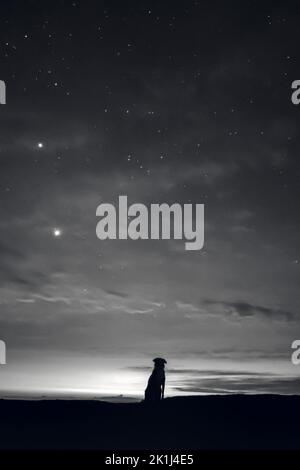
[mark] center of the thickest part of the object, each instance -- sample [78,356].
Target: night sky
[167,101]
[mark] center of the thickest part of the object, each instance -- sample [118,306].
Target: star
[56,232]
[40,145]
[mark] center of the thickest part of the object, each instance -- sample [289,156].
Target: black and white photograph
[149,229]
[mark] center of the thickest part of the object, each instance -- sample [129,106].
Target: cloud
[244,309]
[53,299]
[157,304]
[134,311]
[204,373]
[116,293]
[33,280]
[247,383]
[226,381]
[188,307]
[26,301]
[217,372]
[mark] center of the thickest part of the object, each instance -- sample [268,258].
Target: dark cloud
[116,293]
[244,309]
[242,384]
[30,280]
[205,372]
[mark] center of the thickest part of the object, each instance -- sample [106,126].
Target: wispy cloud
[116,293]
[240,383]
[245,309]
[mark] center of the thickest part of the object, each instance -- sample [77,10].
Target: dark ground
[211,422]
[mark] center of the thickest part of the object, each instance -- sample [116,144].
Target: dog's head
[159,362]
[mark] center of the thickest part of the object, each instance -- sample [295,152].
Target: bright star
[40,145]
[56,232]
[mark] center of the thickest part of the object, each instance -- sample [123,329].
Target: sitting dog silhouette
[156,384]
